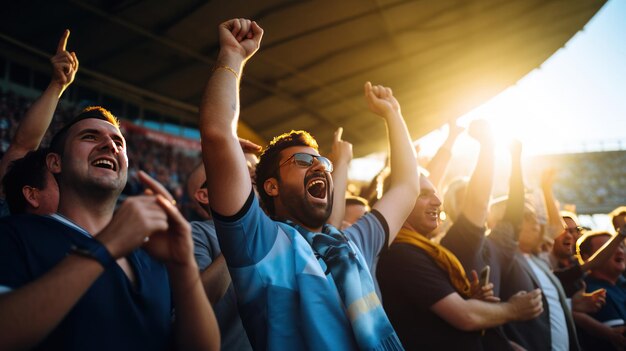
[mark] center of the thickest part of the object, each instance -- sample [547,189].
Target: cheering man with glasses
[300,283]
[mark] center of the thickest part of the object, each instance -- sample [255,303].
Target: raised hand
[240,35]
[380,100]
[526,305]
[341,150]
[516,149]
[480,130]
[64,64]
[249,147]
[547,177]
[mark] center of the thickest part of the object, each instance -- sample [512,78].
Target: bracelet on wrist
[228,68]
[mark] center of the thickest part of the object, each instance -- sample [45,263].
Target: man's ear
[53,162]
[202,196]
[30,195]
[271,187]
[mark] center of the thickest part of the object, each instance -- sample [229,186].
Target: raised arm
[341,156]
[439,163]
[514,211]
[36,121]
[228,178]
[397,203]
[476,202]
[556,225]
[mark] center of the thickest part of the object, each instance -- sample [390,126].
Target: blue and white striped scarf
[370,325]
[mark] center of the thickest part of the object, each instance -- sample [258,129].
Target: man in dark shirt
[427,295]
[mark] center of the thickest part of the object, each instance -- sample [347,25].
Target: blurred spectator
[29,186]
[618,217]
[356,207]
[609,335]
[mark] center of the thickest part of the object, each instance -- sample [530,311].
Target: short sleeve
[406,273]
[203,234]
[248,236]
[369,234]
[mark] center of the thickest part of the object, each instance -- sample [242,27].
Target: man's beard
[315,218]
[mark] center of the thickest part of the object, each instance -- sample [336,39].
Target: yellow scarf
[444,259]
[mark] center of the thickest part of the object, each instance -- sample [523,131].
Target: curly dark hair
[268,162]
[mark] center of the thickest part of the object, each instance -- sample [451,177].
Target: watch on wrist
[98,253]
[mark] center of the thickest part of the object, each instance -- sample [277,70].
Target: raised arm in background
[476,202]
[439,163]
[398,202]
[35,122]
[515,203]
[230,186]
[341,155]
[555,225]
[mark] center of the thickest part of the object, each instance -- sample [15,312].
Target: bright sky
[575,101]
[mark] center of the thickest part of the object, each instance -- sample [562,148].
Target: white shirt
[558,325]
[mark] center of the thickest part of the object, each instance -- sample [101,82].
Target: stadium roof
[441,57]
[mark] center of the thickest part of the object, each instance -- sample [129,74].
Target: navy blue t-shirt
[112,314]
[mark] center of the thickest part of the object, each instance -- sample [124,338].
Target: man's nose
[436,200]
[109,143]
[318,165]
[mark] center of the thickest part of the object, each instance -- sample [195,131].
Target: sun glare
[523,112]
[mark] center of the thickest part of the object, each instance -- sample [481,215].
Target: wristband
[98,253]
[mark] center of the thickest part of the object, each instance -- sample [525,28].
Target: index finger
[155,186]
[63,41]
[248,146]
[338,134]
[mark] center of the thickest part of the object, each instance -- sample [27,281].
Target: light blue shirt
[286,300]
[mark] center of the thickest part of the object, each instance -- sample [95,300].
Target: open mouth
[104,163]
[433,214]
[317,188]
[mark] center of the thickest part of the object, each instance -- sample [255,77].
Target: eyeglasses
[302,159]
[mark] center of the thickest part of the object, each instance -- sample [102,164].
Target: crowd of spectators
[601,189]
[97,254]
